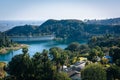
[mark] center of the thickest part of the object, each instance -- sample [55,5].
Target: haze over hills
[6,25]
[69,29]
[112,21]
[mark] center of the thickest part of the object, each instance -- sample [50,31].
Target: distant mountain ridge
[25,30]
[66,29]
[112,21]
[8,24]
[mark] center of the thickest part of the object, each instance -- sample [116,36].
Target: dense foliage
[39,67]
[25,30]
[93,72]
[66,29]
[110,46]
[48,65]
[5,41]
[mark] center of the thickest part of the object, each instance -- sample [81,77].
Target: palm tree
[63,59]
[55,54]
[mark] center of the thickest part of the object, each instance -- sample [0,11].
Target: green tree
[25,50]
[73,46]
[5,41]
[61,76]
[42,66]
[113,73]
[115,53]
[95,54]
[20,67]
[93,72]
[63,58]
[94,39]
[39,67]
[55,54]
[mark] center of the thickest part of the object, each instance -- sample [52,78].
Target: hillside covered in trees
[5,41]
[100,56]
[66,29]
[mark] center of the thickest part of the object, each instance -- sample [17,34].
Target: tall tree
[55,54]
[73,46]
[63,58]
[96,54]
[20,66]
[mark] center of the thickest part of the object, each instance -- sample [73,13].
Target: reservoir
[34,47]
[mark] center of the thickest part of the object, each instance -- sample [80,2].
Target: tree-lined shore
[7,45]
[99,59]
[5,50]
[49,64]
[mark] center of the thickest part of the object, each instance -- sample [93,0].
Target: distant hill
[25,30]
[6,25]
[112,21]
[66,29]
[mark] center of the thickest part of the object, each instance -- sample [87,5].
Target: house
[109,58]
[74,70]
[75,75]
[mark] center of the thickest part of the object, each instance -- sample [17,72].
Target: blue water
[35,47]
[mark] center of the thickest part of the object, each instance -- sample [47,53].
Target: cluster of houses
[74,70]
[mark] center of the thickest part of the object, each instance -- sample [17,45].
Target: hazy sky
[58,9]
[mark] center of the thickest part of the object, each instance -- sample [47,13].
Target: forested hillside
[66,29]
[25,30]
[5,41]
